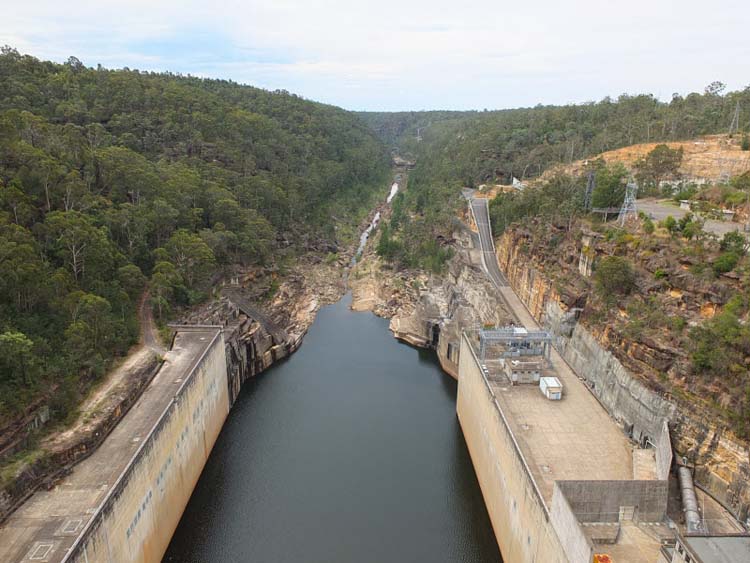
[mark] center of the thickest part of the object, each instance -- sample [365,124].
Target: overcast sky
[405,55]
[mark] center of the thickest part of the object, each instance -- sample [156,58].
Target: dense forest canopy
[471,148]
[111,177]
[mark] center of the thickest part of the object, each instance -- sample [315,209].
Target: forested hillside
[472,148]
[110,179]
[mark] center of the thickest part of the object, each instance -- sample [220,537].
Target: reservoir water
[348,452]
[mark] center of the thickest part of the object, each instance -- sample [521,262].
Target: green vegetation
[560,199]
[648,226]
[720,348]
[725,262]
[610,184]
[468,149]
[689,226]
[110,180]
[659,164]
[614,275]
[733,242]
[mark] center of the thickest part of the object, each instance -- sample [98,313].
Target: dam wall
[136,520]
[519,516]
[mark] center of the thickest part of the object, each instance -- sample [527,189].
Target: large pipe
[689,501]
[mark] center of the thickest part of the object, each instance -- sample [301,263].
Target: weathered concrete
[124,501]
[514,501]
[575,543]
[524,448]
[601,501]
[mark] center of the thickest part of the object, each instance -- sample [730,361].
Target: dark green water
[348,452]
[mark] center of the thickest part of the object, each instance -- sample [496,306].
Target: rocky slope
[428,310]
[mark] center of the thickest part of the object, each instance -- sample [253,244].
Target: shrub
[670,224]
[686,192]
[725,263]
[660,274]
[614,275]
[733,242]
[745,144]
[648,226]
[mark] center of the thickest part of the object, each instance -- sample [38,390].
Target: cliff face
[601,355]
[258,330]
[431,311]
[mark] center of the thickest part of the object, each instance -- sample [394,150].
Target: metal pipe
[689,501]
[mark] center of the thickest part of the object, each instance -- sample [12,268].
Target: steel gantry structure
[517,342]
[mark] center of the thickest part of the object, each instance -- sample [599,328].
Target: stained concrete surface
[47,525]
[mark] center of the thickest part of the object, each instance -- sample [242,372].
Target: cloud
[404,55]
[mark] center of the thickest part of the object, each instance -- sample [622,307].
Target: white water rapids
[375,220]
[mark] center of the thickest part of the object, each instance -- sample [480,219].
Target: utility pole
[590,185]
[735,125]
[629,210]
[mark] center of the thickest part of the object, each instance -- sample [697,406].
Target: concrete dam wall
[136,520]
[517,510]
[124,501]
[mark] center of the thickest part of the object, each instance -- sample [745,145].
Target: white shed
[551,388]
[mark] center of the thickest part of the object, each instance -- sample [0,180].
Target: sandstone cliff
[431,311]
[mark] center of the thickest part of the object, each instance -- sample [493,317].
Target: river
[348,452]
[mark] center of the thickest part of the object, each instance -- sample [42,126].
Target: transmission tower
[735,125]
[589,191]
[628,210]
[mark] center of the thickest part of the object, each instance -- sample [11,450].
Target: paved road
[660,210]
[480,210]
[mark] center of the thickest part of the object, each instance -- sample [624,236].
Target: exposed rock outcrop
[431,311]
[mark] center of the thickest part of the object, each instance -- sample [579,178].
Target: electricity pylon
[629,210]
[735,125]
[589,191]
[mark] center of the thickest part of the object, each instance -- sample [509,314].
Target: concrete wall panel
[600,501]
[577,547]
